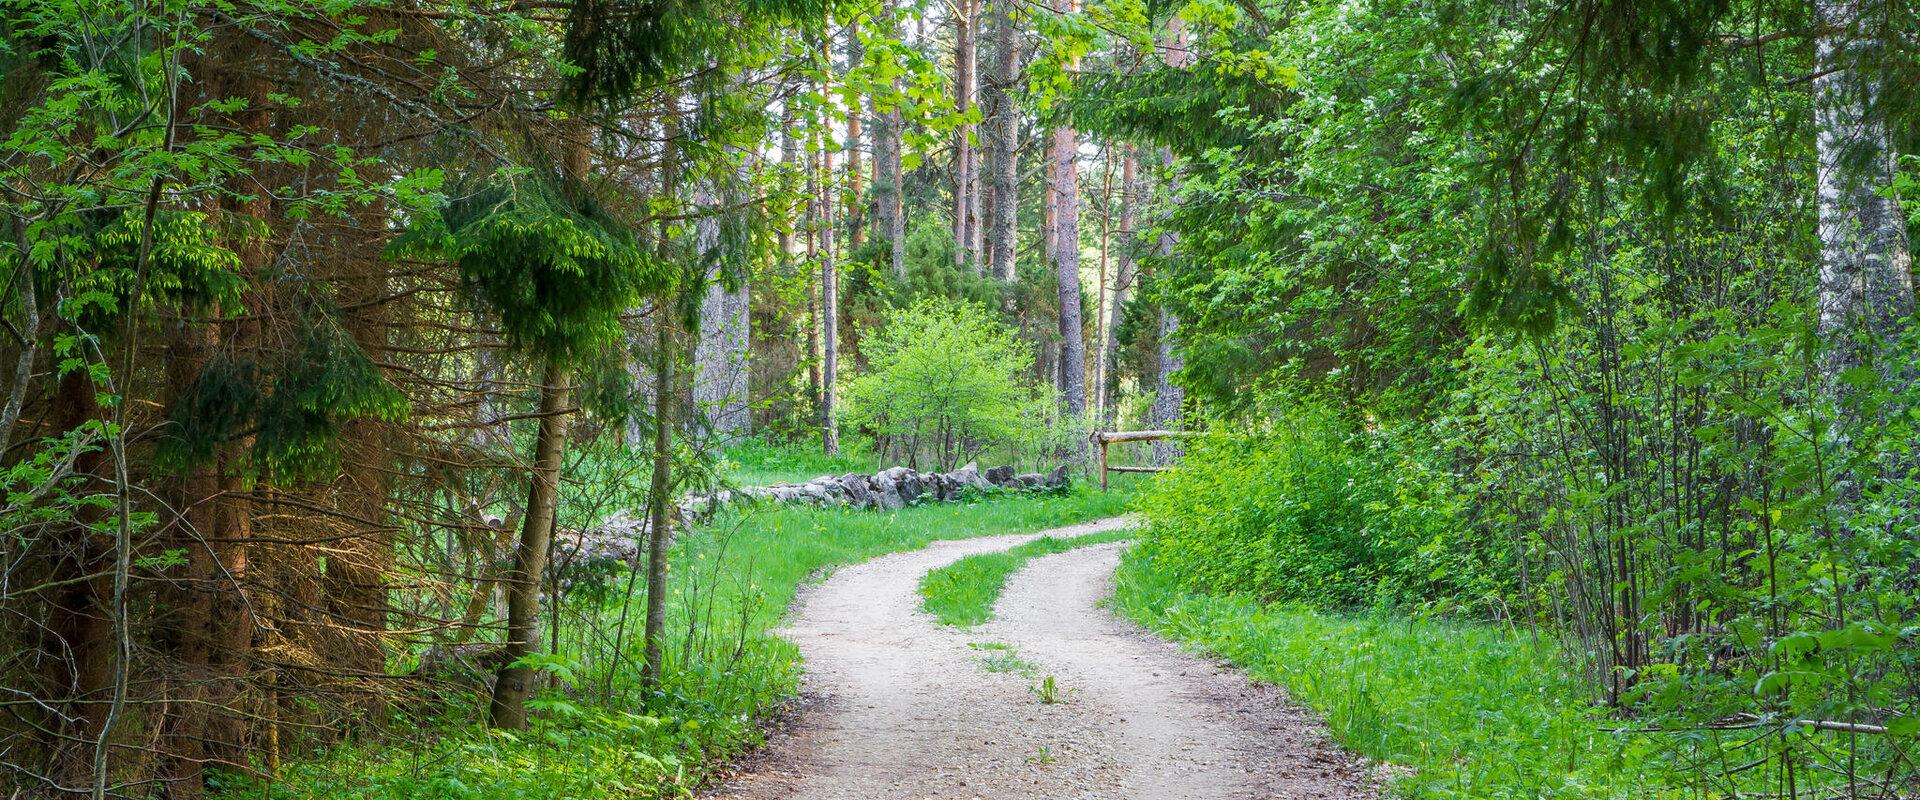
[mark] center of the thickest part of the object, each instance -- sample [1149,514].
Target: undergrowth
[1474,710]
[595,735]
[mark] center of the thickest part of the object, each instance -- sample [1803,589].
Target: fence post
[1103,459]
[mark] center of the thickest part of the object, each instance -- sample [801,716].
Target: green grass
[596,736]
[1475,710]
[756,463]
[963,593]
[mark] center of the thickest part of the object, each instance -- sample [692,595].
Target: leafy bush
[946,382]
[1314,512]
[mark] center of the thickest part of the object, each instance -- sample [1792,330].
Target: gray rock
[1029,480]
[999,476]
[1057,479]
[886,496]
[859,489]
[908,483]
[969,476]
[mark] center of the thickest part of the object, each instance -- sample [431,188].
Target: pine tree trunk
[514,683]
[889,220]
[1123,278]
[1003,126]
[1169,397]
[1066,259]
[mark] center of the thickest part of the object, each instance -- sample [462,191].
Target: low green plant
[1474,710]
[1000,657]
[595,736]
[963,593]
[1050,692]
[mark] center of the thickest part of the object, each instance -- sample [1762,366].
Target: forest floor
[1054,698]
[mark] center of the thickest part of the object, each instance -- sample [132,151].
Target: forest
[435,399]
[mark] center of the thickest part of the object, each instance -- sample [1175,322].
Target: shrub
[1316,512]
[945,382]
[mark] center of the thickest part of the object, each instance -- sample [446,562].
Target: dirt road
[899,707]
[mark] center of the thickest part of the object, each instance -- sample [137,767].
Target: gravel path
[897,706]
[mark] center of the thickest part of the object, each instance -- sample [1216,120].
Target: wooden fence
[1104,438]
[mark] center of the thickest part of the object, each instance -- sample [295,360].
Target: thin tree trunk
[964,191]
[829,298]
[1123,278]
[514,683]
[1169,397]
[1102,290]
[1002,130]
[856,235]
[659,524]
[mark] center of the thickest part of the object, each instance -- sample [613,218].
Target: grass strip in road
[1475,710]
[963,593]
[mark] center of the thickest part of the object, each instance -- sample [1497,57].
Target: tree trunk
[1066,258]
[856,204]
[514,683]
[965,193]
[659,523]
[1002,156]
[829,301]
[889,220]
[1169,397]
[1866,281]
[815,228]
[721,368]
[1122,279]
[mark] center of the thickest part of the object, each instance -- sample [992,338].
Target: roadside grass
[963,593]
[1476,711]
[596,735]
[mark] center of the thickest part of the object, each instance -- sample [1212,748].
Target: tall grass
[964,592]
[595,735]
[752,462]
[1475,710]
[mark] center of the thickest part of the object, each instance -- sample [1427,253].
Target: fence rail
[1104,438]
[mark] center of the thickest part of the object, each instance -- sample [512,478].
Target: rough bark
[514,683]
[1066,258]
[720,357]
[1002,124]
[889,220]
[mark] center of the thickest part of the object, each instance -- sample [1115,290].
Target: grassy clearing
[1475,710]
[963,593]
[733,580]
[756,463]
